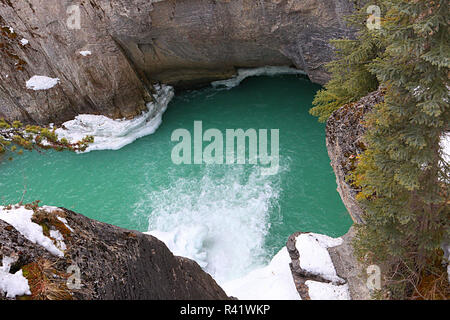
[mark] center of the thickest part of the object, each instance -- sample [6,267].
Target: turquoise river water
[229,218]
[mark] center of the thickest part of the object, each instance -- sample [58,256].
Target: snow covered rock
[326,291]
[41,83]
[113,263]
[12,285]
[325,268]
[21,219]
[313,269]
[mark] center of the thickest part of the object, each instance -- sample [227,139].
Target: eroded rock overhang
[133,44]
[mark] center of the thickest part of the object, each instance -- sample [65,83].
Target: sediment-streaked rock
[198,41]
[101,83]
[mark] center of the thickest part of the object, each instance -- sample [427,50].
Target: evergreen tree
[403,175]
[16,137]
[351,78]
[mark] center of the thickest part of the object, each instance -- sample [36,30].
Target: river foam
[219,220]
[262,71]
[110,134]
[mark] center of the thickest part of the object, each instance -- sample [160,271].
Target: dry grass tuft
[46,283]
[433,286]
[47,220]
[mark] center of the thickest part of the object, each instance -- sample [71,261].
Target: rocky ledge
[55,249]
[344,139]
[325,268]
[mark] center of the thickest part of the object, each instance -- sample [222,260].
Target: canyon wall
[133,44]
[200,40]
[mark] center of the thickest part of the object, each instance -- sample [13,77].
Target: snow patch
[246,73]
[20,219]
[85,53]
[12,284]
[41,83]
[55,234]
[327,291]
[445,145]
[220,222]
[314,256]
[273,282]
[112,134]
[24,42]
[63,220]
[11,29]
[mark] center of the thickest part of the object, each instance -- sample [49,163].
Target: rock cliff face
[135,43]
[349,268]
[114,263]
[102,83]
[344,139]
[200,40]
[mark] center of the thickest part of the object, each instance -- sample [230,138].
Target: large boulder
[114,263]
